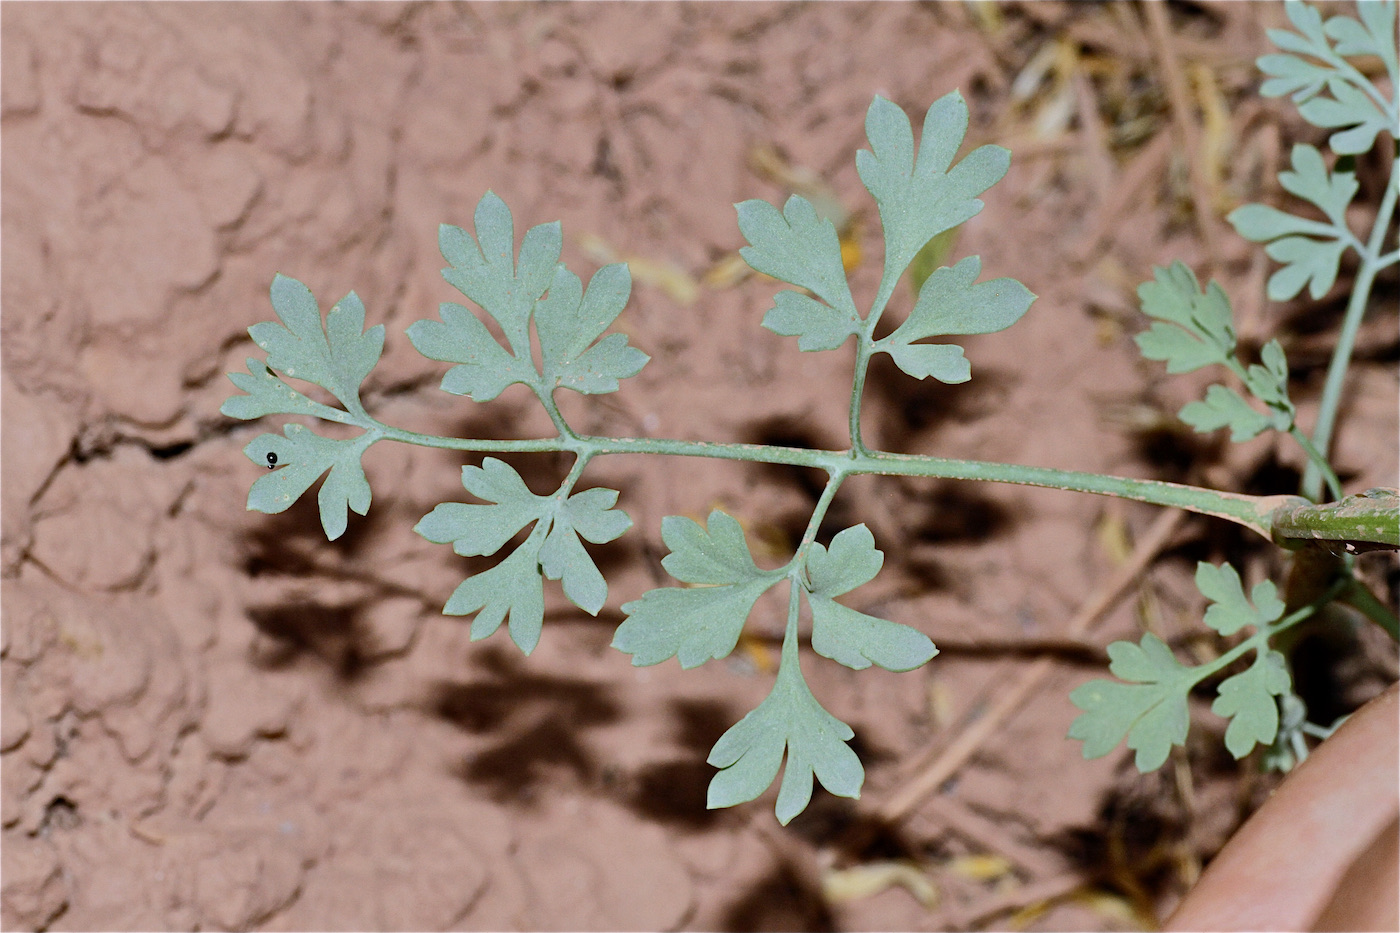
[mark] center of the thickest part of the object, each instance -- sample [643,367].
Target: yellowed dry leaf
[979,867]
[840,886]
[677,284]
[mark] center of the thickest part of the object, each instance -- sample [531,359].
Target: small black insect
[271,460]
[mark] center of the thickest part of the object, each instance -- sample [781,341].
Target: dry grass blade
[1182,115]
[931,777]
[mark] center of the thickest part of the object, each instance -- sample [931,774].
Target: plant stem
[1259,641]
[819,513]
[1357,596]
[1346,339]
[1254,512]
[863,353]
[1317,460]
[1372,516]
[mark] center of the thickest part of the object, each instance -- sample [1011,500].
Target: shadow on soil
[910,408]
[674,791]
[537,724]
[303,622]
[1144,836]
[781,900]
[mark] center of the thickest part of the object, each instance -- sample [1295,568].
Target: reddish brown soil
[216,719]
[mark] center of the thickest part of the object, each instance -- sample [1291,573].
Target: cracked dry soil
[214,719]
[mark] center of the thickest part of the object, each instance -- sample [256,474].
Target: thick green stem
[1372,517]
[1346,339]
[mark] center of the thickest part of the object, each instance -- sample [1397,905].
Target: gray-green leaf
[790,720]
[478,530]
[301,456]
[268,395]
[1224,408]
[851,561]
[1151,710]
[569,319]
[857,640]
[512,588]
[920,199]
[485,367]
[951,301]
[1351,108]
[486,271]
[816,326]
[943,361]
[1306,261]
[1247,700]
[1231,610]
[702,622]
[588,514]
[337,356]
[798,247]
[1206,334]
[845,635]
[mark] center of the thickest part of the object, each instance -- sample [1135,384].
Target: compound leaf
[1310,251]
[1247,700]
[703,622]
[337,356]
[920,199]
[269,395]
[484,367]
[1197,329]
[1231,610]
[569,319]
[845,635]
[790,719]
[798,247]
[1150,710]
[512,588]
[816,326]
[486,271]
[588,514]
[1224,408]
[1350,108]
[301,456]
[1306,261]
[478,530]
